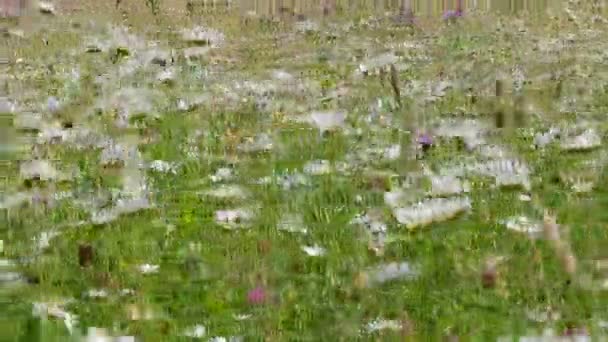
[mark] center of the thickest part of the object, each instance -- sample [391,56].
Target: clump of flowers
[257,296]
[452,14]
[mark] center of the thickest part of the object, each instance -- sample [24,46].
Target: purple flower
[452,14]
[424,139]
[257,295]
[424,142]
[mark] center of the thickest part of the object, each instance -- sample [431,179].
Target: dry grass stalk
[562,248]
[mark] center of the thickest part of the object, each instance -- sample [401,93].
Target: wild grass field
[344,178]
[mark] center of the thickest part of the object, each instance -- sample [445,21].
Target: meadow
[225,176]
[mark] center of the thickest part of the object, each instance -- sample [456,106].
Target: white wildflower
[448,185]
[433,210]
[127,292]
[105,215]
[241,317]
[163,166]
[392,152]
[166,76]
[388,272]
[148,268]
[525,197]
[97,293]
[314,250]
[233,218]
[43,239]
[544,139]
[46,7]
[382,324]
[55,310]
[317,167]
[197,331]
[524,225]
[587,140]
[327,121]
[222,174]
[227,192]
[41,169]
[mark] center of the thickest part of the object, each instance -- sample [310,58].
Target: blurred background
[11,8]
[419,7]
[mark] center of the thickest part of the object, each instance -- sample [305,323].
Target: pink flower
[257,295]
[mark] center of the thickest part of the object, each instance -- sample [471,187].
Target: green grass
[313,298]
